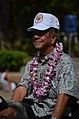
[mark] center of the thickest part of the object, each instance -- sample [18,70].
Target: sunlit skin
[42,41]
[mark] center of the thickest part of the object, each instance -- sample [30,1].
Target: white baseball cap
[44,21]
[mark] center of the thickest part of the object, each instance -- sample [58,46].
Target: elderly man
[49,86]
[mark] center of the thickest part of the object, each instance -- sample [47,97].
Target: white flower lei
[40,90]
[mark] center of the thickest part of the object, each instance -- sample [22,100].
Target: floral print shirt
[65,81]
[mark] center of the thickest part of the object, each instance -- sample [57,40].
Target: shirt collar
[44,59]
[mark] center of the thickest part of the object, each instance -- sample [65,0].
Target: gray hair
[54,31]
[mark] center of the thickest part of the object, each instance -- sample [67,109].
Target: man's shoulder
[66,57]
[30,61]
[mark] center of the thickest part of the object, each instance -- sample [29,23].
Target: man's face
[42,40]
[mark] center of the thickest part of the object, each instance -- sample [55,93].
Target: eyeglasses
[39,32]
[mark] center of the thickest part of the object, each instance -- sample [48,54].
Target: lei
[40,90]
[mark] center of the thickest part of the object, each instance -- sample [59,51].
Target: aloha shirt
[65,81]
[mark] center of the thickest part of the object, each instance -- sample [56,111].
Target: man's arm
[60,105]
[19,93]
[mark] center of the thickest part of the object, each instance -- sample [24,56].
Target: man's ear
[53,39]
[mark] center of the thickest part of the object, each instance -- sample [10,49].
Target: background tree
[16,16]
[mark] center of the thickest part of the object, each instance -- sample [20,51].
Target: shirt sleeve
[68,80]
[25,78]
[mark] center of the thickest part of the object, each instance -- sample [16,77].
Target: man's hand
[60,105]
[20,111]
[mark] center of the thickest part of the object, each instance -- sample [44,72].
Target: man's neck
[47,51]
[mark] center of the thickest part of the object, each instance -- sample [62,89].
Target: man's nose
[36,37]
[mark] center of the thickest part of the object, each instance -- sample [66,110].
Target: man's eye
[38,33]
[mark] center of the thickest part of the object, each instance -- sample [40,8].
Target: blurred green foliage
[13,60]
[75,49]
[17,16]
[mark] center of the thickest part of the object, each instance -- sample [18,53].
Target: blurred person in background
[6,82]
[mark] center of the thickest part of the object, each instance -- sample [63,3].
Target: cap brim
[38,27]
